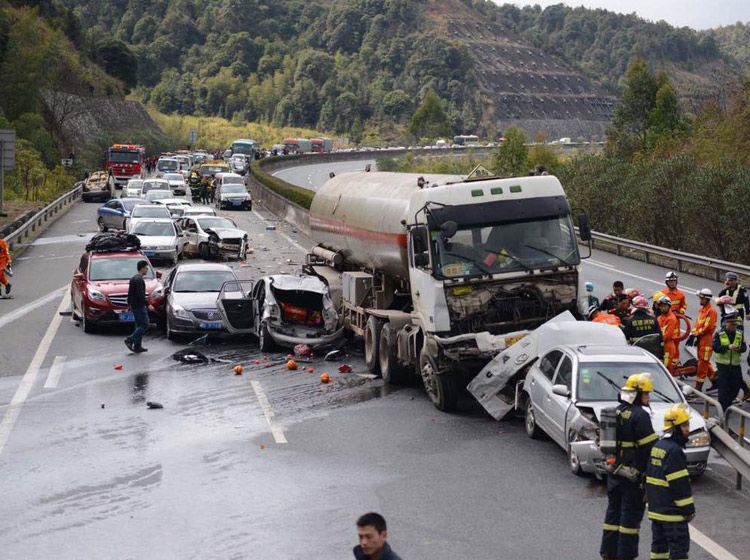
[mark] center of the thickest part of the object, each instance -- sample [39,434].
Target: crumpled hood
[656,411]
[227,233]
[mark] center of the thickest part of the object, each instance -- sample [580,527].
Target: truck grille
[118,299]
[206,314]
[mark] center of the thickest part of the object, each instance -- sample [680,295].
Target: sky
[698,14]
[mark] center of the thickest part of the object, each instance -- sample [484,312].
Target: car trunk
[300,307]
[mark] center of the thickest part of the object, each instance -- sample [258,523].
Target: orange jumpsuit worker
[596,315]
[5,261]
[670,332]
[676,296]
[704,333]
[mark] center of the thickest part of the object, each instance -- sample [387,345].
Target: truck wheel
[372,344]
[392,371]
[442,389]
[532,429]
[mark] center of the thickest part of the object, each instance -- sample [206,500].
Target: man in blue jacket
[670,498]
[373,539]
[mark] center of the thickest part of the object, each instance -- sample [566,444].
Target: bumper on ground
[290,340]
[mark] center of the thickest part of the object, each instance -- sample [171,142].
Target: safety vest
[729,358]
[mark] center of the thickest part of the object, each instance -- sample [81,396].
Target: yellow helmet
[639,382]
[657,296]
[676,415]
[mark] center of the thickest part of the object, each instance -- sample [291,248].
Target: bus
[243,146]
[125,162]
[466,140]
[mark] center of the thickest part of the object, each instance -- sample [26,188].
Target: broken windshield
[506,247]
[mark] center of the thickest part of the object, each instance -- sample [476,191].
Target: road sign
[7,148]
[480,172]
[66,162]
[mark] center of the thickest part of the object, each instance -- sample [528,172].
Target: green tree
[511,158]
[118,61]
[430,120]
[397,103]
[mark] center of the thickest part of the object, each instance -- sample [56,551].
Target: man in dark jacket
[642,323]
[738,294]
[728,346]
[373,539]
[138,304]
[625,504]
[670,499]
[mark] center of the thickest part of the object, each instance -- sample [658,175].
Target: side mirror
[422,259]
[584,227]
[561,390]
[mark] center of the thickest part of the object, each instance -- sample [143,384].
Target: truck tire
[441,388]
[392,371]
[372,344]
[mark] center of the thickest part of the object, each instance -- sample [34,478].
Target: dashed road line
[713,548]
[55,372]
[278,434]
[29,307]
[28,379]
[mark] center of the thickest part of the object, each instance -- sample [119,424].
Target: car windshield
[167,165]
[149,212]
[207,223]
[173,177]
[232,186]
[154,228]
[202,281]
[135,184]
[158,194]
[129,204]
[130,156]
[505,247]
[212,170]
[602,381]
[116,269]
[154,185]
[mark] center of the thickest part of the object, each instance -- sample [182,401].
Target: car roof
[128,199]
[116,254]
[148,205]
[227,174]
[155,220]
[203,267]
[610,352]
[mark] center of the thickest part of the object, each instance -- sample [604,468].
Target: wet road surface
[89,470]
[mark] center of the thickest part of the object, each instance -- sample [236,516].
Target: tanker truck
[440,275]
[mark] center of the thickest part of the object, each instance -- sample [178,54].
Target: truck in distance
[126,161]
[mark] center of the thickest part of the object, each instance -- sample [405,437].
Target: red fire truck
[126,161]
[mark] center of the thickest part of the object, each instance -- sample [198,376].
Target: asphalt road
[313,176]
[88,470]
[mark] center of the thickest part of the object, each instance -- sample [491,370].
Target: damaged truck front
[438,276]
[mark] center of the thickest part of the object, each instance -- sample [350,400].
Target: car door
[541,386]
[117,215]
[235,305]
[79,282]
[191,236]
[106,213]
[557,405]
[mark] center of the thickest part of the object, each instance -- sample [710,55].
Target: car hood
[151,240]
[226,233]
[656,411]
[108,287]
[202,300]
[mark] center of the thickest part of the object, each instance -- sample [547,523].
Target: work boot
[8,286]
[699,385]
[129,344]
[140,349]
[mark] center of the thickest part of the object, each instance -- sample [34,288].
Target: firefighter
[5,268]
[738,296]
[596,315]
[204,190]
[625,495]
[641,323]
[670,332]
[729,344]
[591,298]
[655,299]
[670,499]
[195,186]
[702,335]
[675,295]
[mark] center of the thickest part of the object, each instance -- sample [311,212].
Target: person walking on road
[702,335]
[373,539]
[729,344]
[138,304]
[625,494]
[670,498]
[670,332]
[5,269]
[675,295]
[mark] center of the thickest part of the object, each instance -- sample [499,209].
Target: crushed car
[214,237]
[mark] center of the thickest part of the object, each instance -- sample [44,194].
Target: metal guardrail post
[744,415]
[708,402]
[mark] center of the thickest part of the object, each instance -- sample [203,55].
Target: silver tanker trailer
[438,276]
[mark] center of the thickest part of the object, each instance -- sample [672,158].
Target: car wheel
[392,371]
[532,429]
[86,325]
[372,344]
[204,251]
[100,223]
[264,338]
[170,334]
[180,254]
[440,388]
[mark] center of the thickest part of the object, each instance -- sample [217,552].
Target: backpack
[111,242]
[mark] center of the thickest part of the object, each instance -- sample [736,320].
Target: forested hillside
[734,40]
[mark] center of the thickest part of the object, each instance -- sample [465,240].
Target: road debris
[302,350]
[334,355]
[154,405]
[345,368]
[291,365]
[190,357]
[118,367]
[238,369]
[325,378]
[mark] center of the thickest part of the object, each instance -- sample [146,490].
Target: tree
[396,103]
[511,158]
[118,61]
[430,120]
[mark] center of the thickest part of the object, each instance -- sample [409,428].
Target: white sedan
[160,239]
[176,183]
[213,237]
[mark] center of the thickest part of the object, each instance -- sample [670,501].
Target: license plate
[126,316]
[211,325]
[149,253]
[236,204]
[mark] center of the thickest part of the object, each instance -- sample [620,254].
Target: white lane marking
[55,372]
[651,280]
[29,307]
[278,434]
[713,548]
[602,264]
[28,379]
[284,235]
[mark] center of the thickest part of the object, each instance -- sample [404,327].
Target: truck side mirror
[584,227]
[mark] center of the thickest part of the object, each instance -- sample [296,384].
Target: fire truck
[126,161]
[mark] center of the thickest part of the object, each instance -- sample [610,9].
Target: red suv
[99,290]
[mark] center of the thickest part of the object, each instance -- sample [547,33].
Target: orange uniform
[677,297]
[607,319]
[704,329]
[4,261]
[670,332]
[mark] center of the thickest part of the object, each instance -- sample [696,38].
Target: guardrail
[30,228]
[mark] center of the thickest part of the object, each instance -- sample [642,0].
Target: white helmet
[671,275]
[705,292]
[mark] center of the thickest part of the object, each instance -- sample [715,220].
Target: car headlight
[95,294]
[180,312]
[158,292]
[699,439]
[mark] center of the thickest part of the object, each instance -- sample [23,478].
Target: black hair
[618,284]
[141,264]
[372,519]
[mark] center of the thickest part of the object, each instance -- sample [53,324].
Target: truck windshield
[506,247]
[124,157]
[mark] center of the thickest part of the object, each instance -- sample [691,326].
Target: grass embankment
[447,164]
[293,193]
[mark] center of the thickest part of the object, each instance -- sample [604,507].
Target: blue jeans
[141,326]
